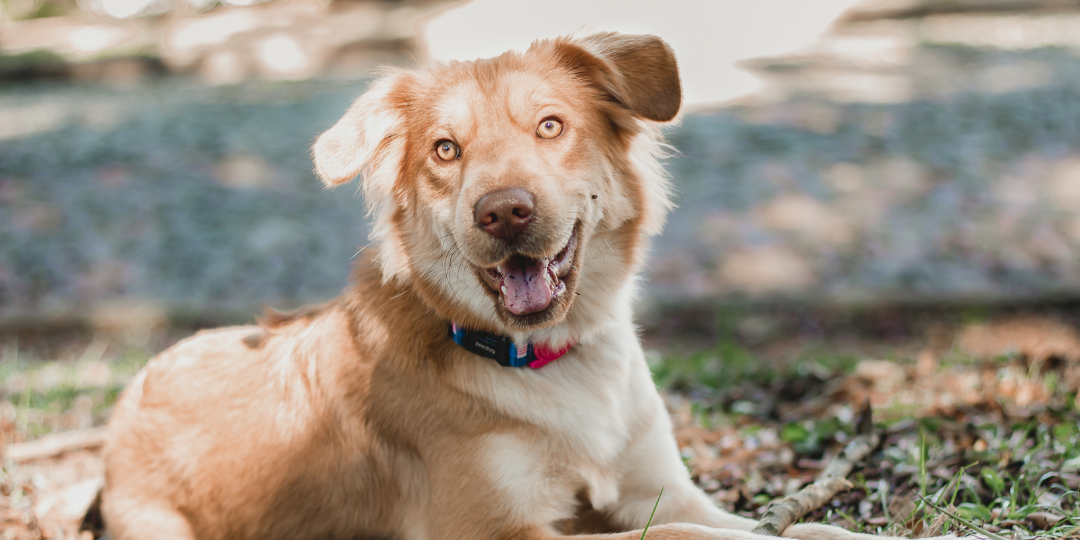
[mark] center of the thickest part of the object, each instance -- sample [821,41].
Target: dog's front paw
[817,531]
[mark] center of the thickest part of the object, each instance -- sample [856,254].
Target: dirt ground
[980,424]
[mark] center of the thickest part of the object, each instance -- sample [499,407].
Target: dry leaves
[993,415]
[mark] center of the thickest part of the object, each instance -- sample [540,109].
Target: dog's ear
[638,71]
[370,140]
[356,143]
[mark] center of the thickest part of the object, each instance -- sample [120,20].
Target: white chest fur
[584,408]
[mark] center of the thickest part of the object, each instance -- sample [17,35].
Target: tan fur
[360,418]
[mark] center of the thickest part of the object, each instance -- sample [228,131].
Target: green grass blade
[647,523]
[922,463]
[967,523]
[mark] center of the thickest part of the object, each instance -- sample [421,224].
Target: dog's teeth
[503,289]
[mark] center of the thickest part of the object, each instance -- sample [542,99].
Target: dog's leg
[820,531]
[667,531]
[653,462]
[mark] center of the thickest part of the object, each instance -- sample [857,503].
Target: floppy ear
[370,140]
[354,143]
[637,71]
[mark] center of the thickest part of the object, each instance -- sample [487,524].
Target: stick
[832,481]
[54,445]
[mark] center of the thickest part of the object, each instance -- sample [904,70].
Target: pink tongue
[527,289]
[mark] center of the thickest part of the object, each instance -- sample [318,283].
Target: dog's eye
[447,150]
[549,128]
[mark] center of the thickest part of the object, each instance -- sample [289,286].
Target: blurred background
[857,180]
[154,166]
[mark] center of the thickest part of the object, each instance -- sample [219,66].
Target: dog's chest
[582,412]
[543,484]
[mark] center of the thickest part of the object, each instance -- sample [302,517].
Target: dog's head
[515,193]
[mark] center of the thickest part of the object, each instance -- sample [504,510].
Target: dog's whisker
[603,257]
[450,266]
[460,267]
[449,263]
[360,251]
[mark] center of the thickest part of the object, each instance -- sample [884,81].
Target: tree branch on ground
[53,445]
[833,480]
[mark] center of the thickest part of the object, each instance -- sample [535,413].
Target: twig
[832,481]
[54,445]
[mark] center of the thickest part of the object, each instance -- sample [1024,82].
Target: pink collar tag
[545,356]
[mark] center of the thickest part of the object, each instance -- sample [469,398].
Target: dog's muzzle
[528,285]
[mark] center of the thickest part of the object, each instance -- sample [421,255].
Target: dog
[481,377]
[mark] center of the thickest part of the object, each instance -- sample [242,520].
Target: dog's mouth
[527,285]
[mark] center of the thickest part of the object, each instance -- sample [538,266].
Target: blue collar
[503,350]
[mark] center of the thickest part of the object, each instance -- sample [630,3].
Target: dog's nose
[505,213]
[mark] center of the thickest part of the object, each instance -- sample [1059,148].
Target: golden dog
[481,378]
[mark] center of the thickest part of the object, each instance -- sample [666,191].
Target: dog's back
[246,404]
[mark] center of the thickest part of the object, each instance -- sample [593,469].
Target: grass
[973,471]
[45,395]
[1005,485]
